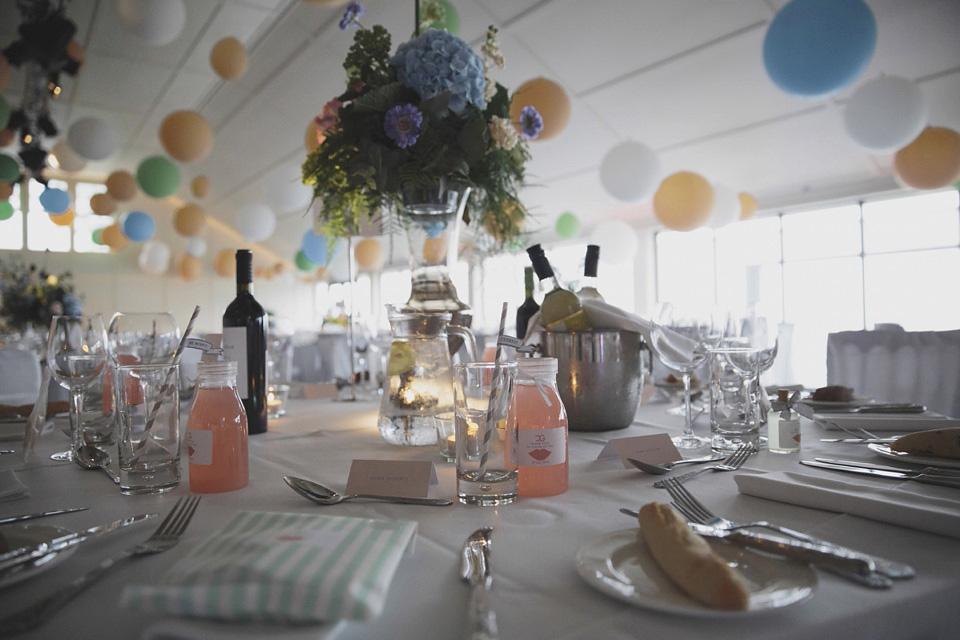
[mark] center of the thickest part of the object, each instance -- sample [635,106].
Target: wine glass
[754,330]
[76,355]
[682,339]
[143,337]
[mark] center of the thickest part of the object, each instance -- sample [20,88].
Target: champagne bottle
[561,310]
[245,341]
[588,287]
[529,307]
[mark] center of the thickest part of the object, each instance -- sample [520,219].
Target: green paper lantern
[568,226]
[451,19]
[4,113]
[6,210]
[97,236]
[158,177]
[302,263]
[9,168]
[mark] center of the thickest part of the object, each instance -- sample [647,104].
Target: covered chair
[19,376]
[898,366]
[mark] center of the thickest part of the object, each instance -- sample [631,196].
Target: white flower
[503,133]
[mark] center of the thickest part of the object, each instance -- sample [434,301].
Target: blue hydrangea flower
[531,124]
[72,305]
[438,61]
[349,19]
[403,124]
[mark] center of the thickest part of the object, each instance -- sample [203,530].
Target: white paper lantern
[630,171]
[886,114]
[256,222]
[286,192]
[67,158]
[154,257]
[617,240]
[156,22]
[726,207]
[92,138]
[196,247]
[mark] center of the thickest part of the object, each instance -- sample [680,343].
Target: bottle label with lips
[200,446]
[542,447]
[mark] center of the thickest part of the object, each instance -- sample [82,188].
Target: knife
[475,570]
[892,407]
[862,440]
[936,471]
[42,514]
[944,481]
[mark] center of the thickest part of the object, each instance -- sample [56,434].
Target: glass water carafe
[419,382]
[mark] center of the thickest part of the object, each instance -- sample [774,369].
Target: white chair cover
[19,376]
[899,366]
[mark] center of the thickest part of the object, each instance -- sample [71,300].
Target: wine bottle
[245,341]
[588,286]
[529,307]
[560,310]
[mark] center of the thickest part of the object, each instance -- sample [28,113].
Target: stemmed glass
[76,355]
[143,338]
[757,331]
[682,339]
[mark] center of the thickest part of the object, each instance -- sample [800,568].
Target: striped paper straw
[488,425]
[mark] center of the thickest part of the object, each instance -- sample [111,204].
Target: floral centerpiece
[30,297]
[423,127]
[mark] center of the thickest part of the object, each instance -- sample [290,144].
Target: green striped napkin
[282,567]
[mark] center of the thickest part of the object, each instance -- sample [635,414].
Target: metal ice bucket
[600,376]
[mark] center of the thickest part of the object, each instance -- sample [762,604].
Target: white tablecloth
[536,590]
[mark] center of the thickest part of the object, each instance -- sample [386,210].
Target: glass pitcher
[419,383]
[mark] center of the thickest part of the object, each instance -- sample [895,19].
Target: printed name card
[657,449]
[405,478]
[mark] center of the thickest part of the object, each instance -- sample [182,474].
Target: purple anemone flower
[349,19]
[531,124]
[403,124]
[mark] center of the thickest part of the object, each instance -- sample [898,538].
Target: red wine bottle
[529,307]
[245,341]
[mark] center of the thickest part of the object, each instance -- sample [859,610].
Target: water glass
[485,442]
[149,458]
[734,397]
[97,425]
[446,435]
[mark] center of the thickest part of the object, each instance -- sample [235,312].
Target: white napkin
[886,422]
[911,510]
[180,629]
[10,486]
[284,568]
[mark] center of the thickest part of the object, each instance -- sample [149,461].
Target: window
[42,232]
[35,229]
[85,221]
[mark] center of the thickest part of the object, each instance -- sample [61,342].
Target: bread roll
[941,443]
[689,561]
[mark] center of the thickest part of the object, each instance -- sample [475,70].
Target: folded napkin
[282,568]
[180,629]
[10,486]
[910,510]
[886,422]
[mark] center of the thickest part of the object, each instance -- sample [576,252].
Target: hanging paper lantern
[618,239]
[6,190]
[92,138]
[138,226]
[726,207]
[64,219]
[286,193]
[550,101]
[97,237]
[196,247]
[5,73]
[813,48]
[451,19]
[225,264]
[256,222]
[748,205]
[189,220]
[158,177]
[4,113]
[154,257]
[630,171]
[369,254]
[121,185]
[186,136]
[102,204]
[886,113]
[6,137]
[66,158]
[303,264]
[314,247]
[200,187]
[77,53]
[435,250]
[229,59]
[683,201]
[931,161]
[568,226]
[189,267]
[54,200]
[6,210]
[156,22]
[113,237]
[9,168]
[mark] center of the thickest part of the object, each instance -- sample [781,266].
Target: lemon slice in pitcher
[401,359]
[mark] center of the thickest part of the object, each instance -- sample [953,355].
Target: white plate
[827,405]
[620,565]
[926,461]
[32,535]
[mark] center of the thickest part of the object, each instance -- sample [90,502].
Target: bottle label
[200,446]
[789,433]
[235,348]
[542,447]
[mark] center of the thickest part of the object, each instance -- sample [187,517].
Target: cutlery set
[928,475]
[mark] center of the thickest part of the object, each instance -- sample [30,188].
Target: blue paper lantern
[55,201]
[138,226]
[817,47]
[314,248]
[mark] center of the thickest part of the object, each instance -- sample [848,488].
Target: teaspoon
[89,457]
[322,495]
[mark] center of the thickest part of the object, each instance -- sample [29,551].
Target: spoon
[89,457]
[660,469]
[322,495]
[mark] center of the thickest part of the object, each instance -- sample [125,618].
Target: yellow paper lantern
[6,190]
[549,99]
[64,219]
[6,137]
[435,250]
[931,161]
[102,204]
[225,264]
[200,187]
[683,201]
[229,59]
[189,267]
[186,136]
[113,237]
[369,254]
[748,205]
[189,220]
[121,185]
[313,137]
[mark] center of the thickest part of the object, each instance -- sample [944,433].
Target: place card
[656,449]
[405,478]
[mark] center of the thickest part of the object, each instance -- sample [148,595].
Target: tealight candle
[276,399]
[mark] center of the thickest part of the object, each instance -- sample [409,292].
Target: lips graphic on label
[540,454]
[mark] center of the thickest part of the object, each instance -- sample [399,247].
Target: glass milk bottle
[783,425]
[217,431]
[541,423]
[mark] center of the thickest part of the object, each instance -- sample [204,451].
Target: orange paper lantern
[200,187]
[549,99]
[931,161]
[5,73]
[121,185]
[113,237]
[369,254]
[225,264]
[6,190]
[229,59]
[189,220]
[186,136]
[102,204]
[435,250]
[64,219]
[77,53]
[683,201]
[6,137]
[748,205]
[189,267]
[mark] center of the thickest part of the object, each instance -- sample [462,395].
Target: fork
[733,462]
[695,511]
[165,537]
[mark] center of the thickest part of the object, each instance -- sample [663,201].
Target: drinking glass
[143,337]
[682,338]
[753,330]
[76,355]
